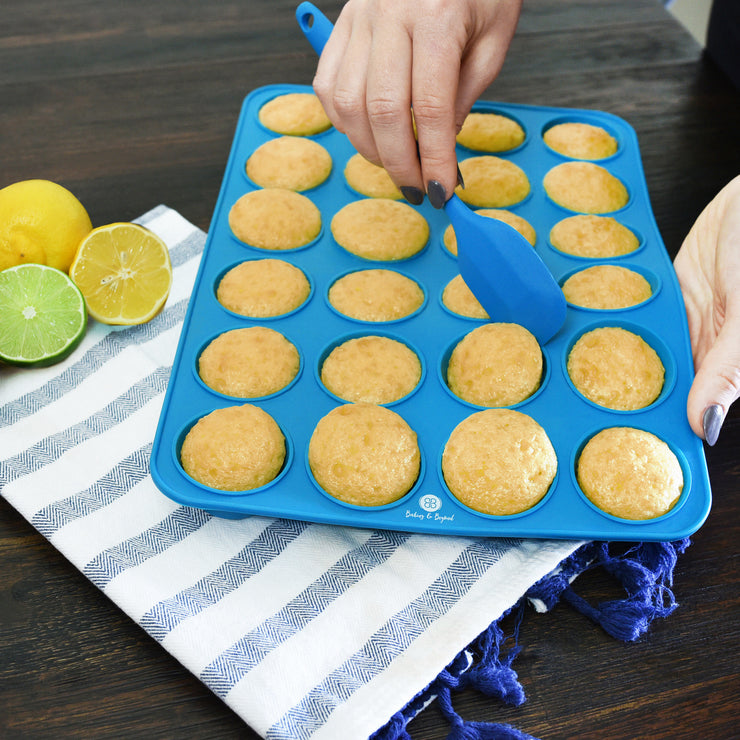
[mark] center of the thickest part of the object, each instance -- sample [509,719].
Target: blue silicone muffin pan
[432,410]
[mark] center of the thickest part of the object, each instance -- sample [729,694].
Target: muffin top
[495,364]
[237,448]
[263,288]
[369,179]
[365,455]
[593,236]
[580,140]
[606,287]
[371,369]
[376,295]
[490,132]
[585,187]
[616,368]
[630,473]
[294,114]
[289,162]
[380,229]
[249,363]
[499,461]
[492,182]
[275,218]
[459,299]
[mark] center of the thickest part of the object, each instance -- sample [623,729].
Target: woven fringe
[644,570]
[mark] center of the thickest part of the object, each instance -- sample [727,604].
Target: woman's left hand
[708,269]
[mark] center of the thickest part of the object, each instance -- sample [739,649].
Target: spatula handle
[315,25]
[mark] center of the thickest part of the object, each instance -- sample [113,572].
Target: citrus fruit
[40,222]
[42,315]
[124,272]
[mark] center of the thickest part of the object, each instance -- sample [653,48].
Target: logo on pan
[429,502]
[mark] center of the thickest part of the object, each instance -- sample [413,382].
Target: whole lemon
[40,222]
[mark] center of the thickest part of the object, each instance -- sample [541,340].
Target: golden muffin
[499,461]
[490,132]
[376,295]
[495,365]
[630,473]
[368,179]
[249,363]
[492,182]
[263,288]
[520,224]
[606,287]
[616,368]
[364,454]
[289,162]
[380,229]
[294,114]
[580,140]
[585,187]
[275,218]
[371,369]
[237,448]
[593,236]
[459,299]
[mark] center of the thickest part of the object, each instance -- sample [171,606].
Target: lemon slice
[124,272]
[43,315]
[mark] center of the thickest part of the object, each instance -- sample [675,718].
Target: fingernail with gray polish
[437,193]
[460,180]
[712,423]
[413,195]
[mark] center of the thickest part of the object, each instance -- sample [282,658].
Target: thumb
[717,383]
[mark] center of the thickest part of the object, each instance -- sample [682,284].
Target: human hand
[708,269]
[386,56]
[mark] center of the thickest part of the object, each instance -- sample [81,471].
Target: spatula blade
[505,273]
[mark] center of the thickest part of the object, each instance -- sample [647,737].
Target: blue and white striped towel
[304,630]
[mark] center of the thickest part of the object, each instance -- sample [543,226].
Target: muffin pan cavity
[431,410]
[653,341]
[673,511]
[492,130]
[652,280]
[357,296]
[223,508]
[351,354]
[575,137]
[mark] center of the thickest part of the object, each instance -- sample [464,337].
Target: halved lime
[42,315]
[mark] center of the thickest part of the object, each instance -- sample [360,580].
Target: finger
[485,55]
[434,81]
[479,68]
[330,62]
[341,80]
[717,381]
[389,108]
[698,299]
[349,97]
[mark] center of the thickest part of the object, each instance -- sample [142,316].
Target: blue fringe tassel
[644,570]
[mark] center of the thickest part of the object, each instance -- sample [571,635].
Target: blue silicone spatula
[497,263]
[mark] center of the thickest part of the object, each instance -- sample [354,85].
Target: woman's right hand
[386,57]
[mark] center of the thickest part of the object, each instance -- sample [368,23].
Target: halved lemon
[124,272]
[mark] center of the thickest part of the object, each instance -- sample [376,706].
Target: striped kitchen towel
[304,630]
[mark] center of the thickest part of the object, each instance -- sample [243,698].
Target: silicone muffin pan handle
[315,25]
[496,262]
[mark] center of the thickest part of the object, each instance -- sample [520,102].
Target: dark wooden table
[133,104]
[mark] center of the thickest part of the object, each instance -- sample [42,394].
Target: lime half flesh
[42,315]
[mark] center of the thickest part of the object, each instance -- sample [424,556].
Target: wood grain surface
[135,103]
